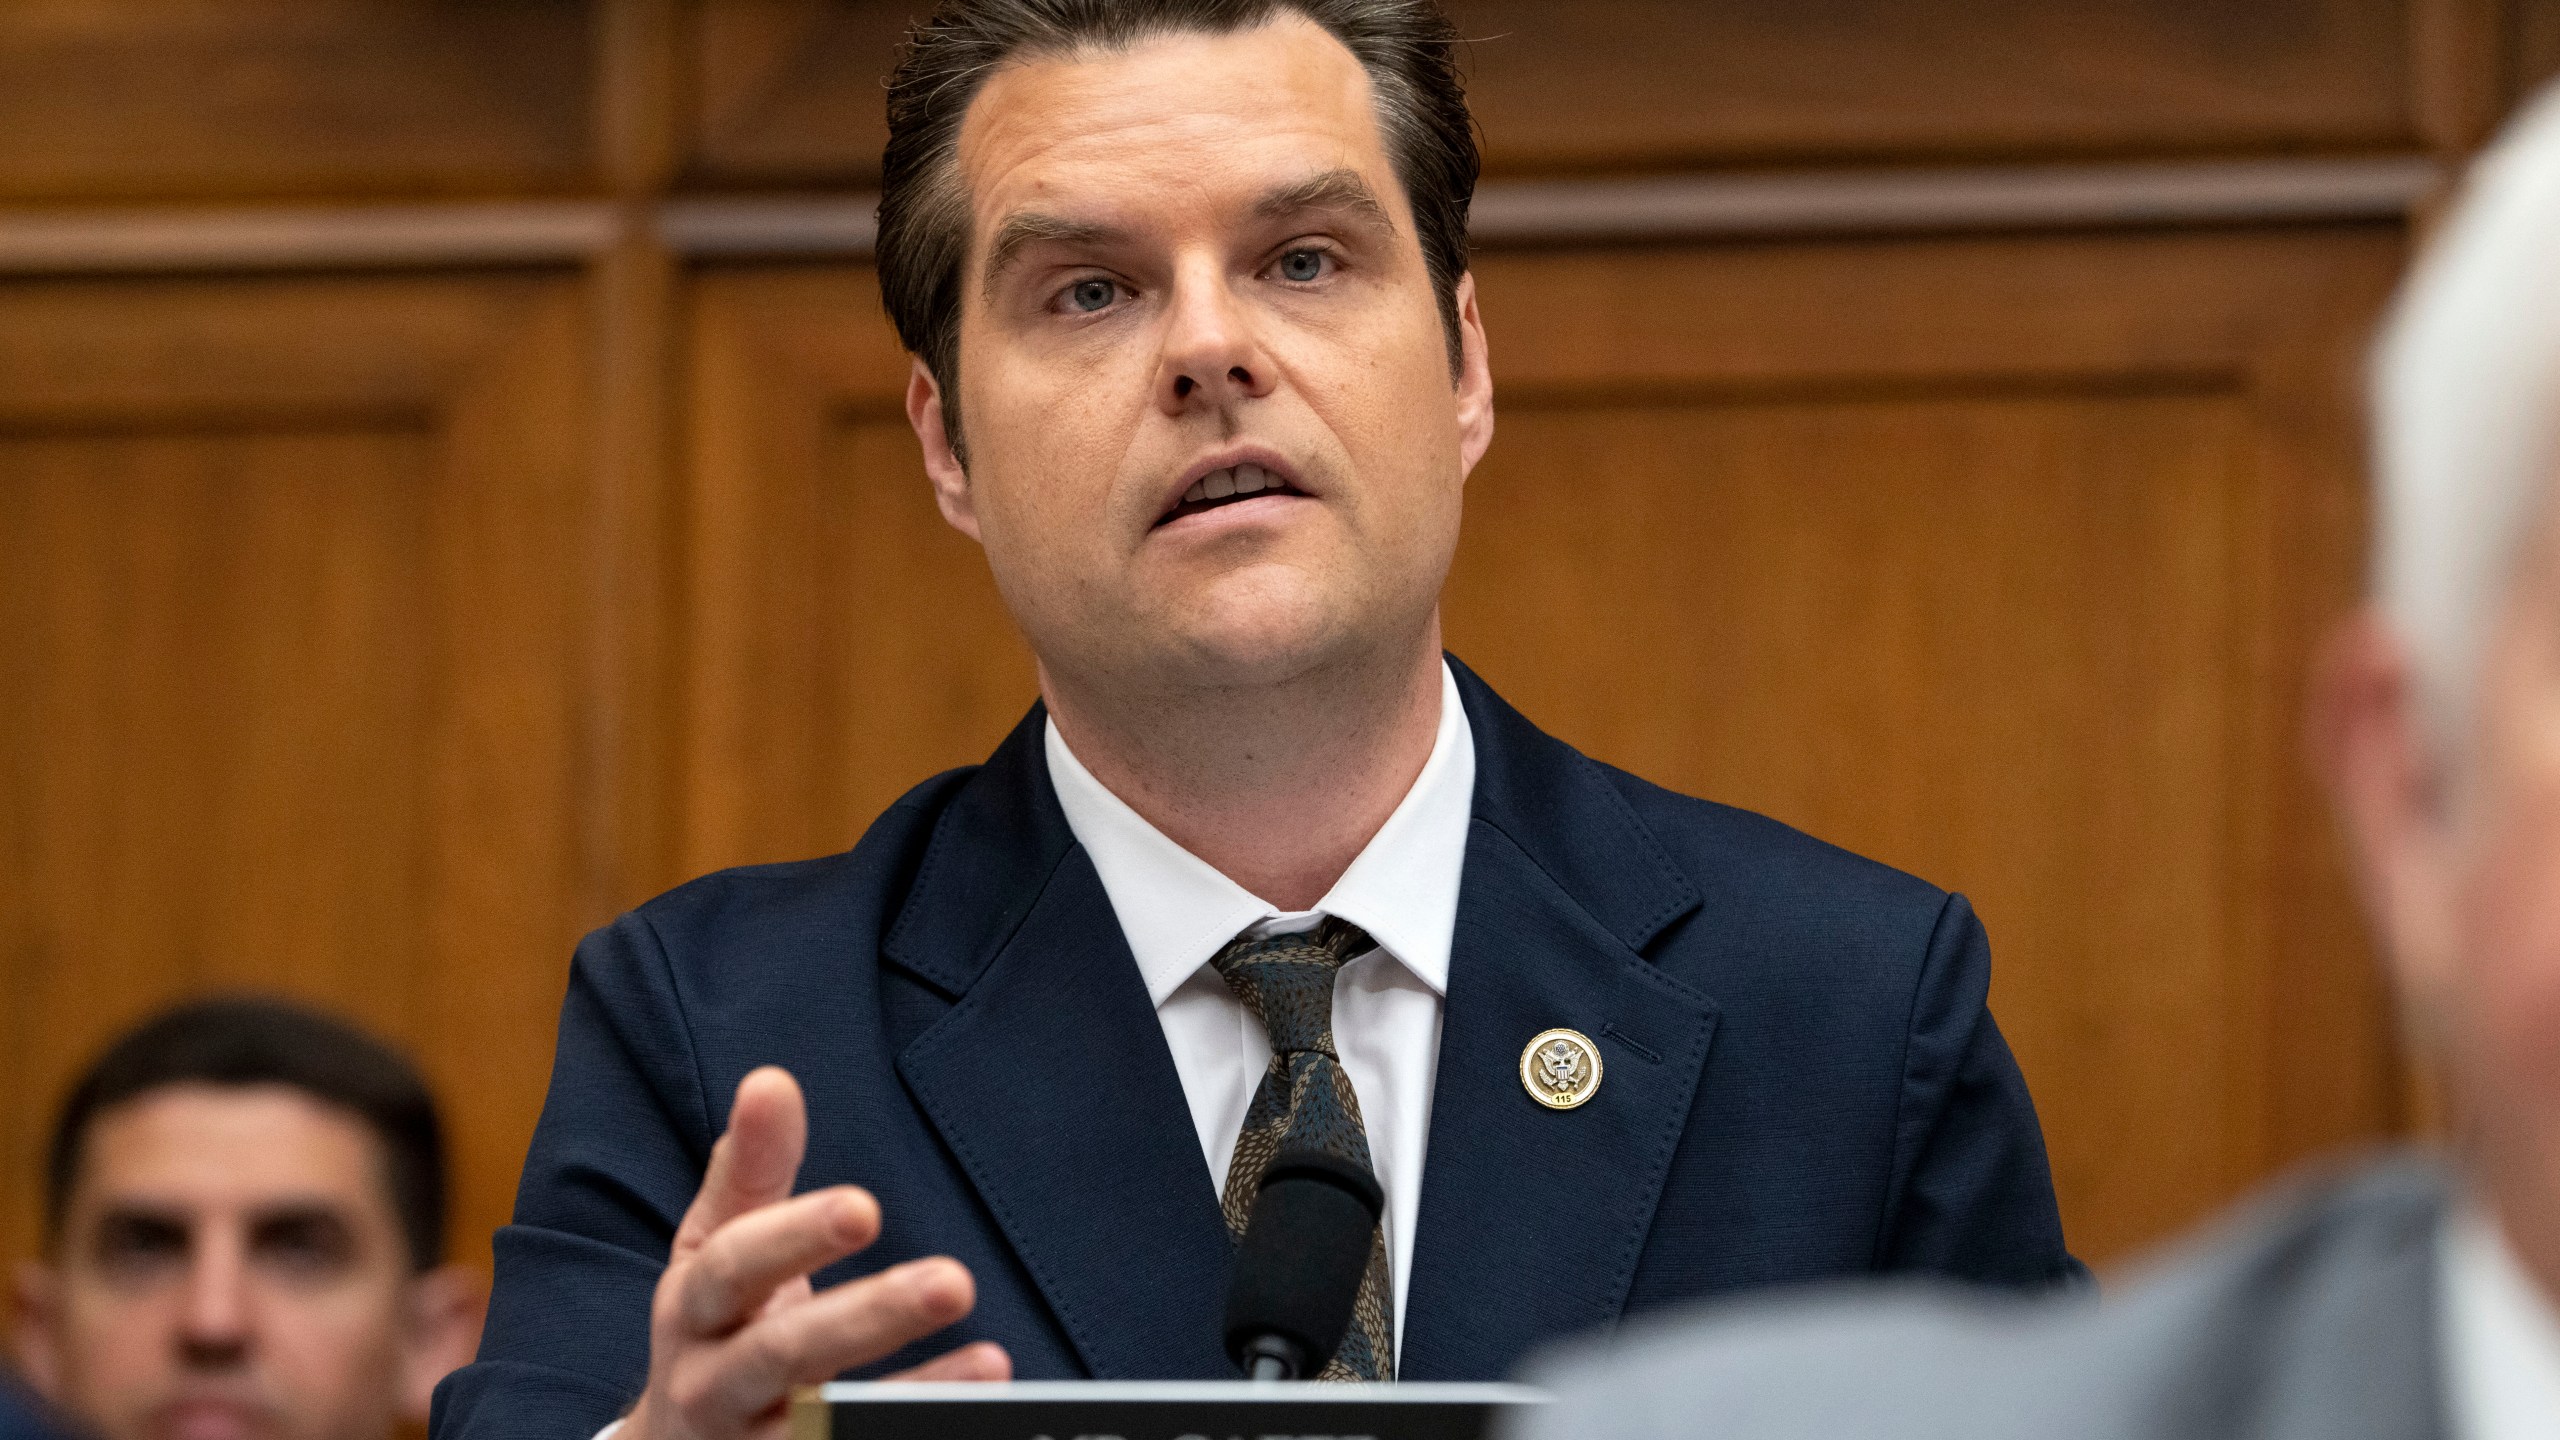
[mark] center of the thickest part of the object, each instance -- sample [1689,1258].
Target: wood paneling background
[165,99]
[452,486]
[291,693]
[1967,554]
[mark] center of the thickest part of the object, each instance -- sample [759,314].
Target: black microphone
[1298,1272]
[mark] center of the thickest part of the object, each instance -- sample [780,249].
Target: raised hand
[735,1324]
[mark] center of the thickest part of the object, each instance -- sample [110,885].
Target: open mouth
[1226,487]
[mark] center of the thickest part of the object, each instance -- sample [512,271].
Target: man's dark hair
[1408,48]
[246,1040]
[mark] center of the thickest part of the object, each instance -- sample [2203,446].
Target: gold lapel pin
[1560,1068]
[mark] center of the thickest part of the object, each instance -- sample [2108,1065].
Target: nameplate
[1153,1410]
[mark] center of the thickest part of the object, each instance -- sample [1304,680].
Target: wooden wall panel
[2533,46]
[1982,636]
[224,98]
[787,89]
[845,642]
[1612,83]
[2001,561]
[290,678]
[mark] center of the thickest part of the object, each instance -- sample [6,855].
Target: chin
[1255,647]
[1259,662]
[1223,609]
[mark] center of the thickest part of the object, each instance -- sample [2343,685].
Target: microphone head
[1298,1272]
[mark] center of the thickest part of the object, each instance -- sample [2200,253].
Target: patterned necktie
[1305,1099]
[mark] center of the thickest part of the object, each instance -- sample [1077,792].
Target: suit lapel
[1531,1220]
[1050,1081]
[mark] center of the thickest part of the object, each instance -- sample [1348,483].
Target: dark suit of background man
[19,1417]
[1198,363]
[2409,1299]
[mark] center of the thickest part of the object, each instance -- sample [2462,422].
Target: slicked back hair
[1407,47]
[244,1041]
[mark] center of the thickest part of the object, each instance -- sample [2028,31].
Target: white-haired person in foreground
[2417,1296]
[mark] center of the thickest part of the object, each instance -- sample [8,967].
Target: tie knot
[1287,980]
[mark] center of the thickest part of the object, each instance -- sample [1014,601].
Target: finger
[737,1270]
[757,1158]
[795,1291]
[985,1360]
[852,1324]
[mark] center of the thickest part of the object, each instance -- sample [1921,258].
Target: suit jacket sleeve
[1972,1195]
[620,1149]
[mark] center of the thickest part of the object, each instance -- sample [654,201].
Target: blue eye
[1092,295]
[1302,265]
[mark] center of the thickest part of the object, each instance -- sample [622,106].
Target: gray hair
[2466,413]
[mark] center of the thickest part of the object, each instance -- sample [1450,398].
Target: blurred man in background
[2408,1298]
[245,1211]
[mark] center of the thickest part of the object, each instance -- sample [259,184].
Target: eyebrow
[132,1216]
[173,1212]
[297,1212]
[1026,228]
[1340,190]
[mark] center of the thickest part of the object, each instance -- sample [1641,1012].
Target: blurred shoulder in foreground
[2312,1313]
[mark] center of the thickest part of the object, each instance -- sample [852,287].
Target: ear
[2388,775]
[941,459]
[446,1306]
[38,1294]
[1475,380]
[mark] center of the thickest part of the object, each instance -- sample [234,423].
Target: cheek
[2509,965]
[337,1343]
[1393,407]
[1045,463]
[117,1340]
[2508,954]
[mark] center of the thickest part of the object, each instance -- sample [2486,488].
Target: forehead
[223,1147]
[1186,117]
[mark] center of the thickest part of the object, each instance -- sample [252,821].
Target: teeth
[1245,479]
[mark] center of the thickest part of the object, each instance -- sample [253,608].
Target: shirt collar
[1177,910]
[2501,1333]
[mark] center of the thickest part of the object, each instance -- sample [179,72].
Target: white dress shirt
[2501,1336]
[1178,911]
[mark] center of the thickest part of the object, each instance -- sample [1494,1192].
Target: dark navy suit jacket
[1801,1081]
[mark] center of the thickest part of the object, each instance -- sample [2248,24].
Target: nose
[213,1324]
[1213,355]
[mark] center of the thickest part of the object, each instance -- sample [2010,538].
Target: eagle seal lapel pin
[1560,1068]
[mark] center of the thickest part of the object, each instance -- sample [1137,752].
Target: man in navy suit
[1198,363]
